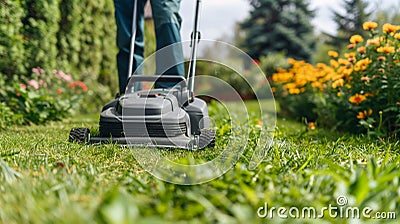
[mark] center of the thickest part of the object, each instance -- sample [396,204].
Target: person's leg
[123,16]
[167,23]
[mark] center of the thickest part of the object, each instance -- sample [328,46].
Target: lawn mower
[158,117]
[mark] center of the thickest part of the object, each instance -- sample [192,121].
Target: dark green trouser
[167,23]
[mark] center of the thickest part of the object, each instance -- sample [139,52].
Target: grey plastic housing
[153,114]
[198,113]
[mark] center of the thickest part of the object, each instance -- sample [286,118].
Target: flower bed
[359,91]
[43,97]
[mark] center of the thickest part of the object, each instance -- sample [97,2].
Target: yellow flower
[350,55]
[356,39]
[334,63]
[337,83]
[294,91]
[389,28]
[337,77]
[386,49]
[316,85]
[333,54]
[364,114]
[347,71]
[290,86]
[370,25]
[291,61]
[357,99]
[343,61]
[362,65]
[397,36]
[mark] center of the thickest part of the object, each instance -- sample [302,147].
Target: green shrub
[40,26]
[74,36]
[270,63]
[47,96]
[11,41]
[7,117]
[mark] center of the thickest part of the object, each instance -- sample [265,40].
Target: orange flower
[80,84]
[333,54]
[365,79]
[362,50]
[364,114]
[370,25]
[337,83]
[352,60]
[374,41]
[397,36]
[351,46]
[343,61]
[362,64]
[386,49]
[355,39]
[389,28]
[357,99]
[350,55]
[290,86]
[311,126]
[294,91]
[334,63]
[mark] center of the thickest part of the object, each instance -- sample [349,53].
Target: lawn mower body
[155,118]
[158,117]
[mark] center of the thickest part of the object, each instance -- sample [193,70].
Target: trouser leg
[167,23]
[123,16]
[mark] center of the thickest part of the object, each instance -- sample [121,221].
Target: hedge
[77,36]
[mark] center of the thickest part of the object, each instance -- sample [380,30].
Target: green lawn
[45,179]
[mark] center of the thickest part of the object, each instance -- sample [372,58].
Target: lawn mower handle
[133,37]
[195,37]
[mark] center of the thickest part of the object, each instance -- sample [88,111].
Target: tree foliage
[279,26]
[349,21]
[389,14]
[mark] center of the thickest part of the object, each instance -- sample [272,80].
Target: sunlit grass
[45,179]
